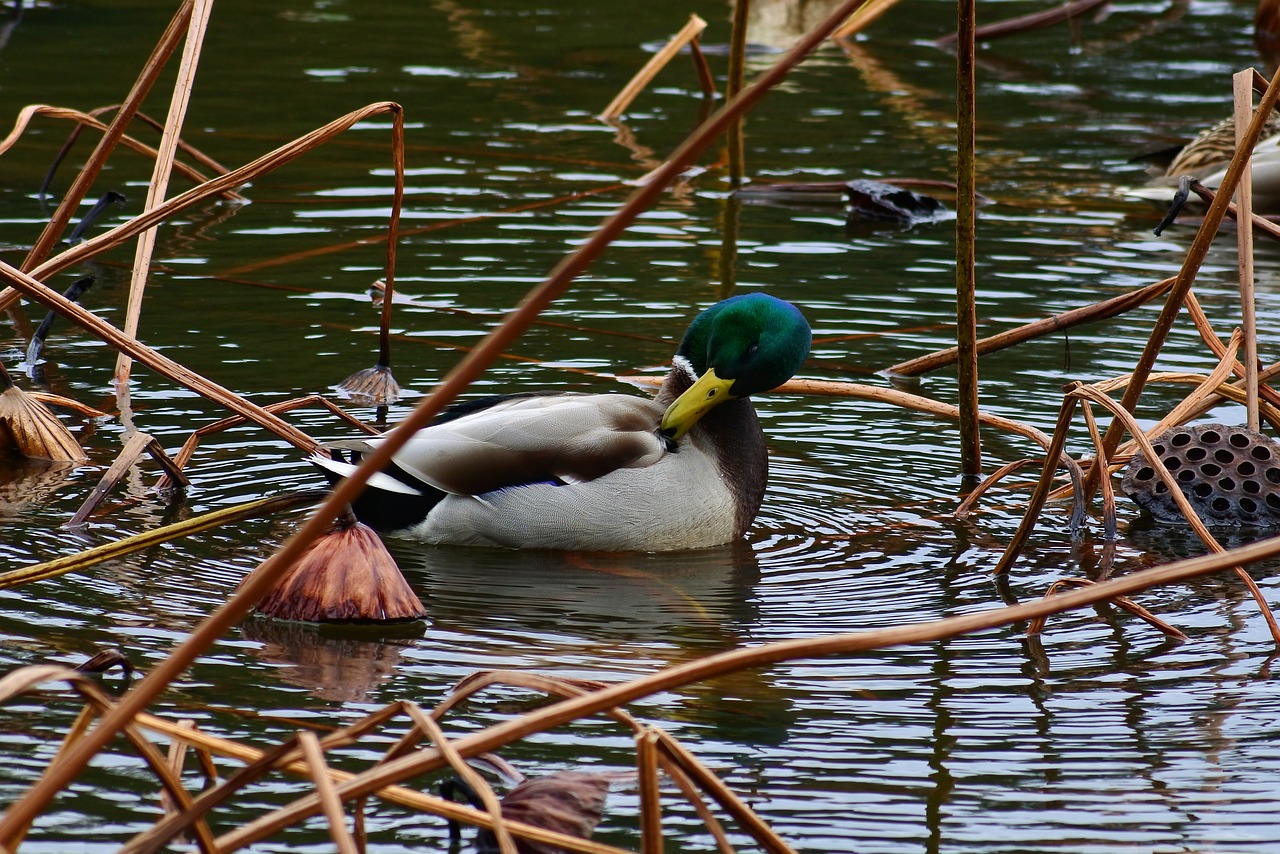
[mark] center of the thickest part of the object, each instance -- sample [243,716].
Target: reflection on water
[335,663]
[1101,735]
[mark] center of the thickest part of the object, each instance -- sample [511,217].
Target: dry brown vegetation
[558,814]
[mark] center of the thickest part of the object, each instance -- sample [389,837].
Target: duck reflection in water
[606,616]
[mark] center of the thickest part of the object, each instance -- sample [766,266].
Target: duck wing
[562,438]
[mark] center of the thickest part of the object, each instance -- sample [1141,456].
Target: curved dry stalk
[163,365]
[432,730]
[1036,626]
[1242,85]
[97,160]
[966,506]
[713,786]
[1224,392]
[1130,424]
[214,186]
[1108,493]
[375,385]
[966,251]
[1186,409]
[27,679]
[88,120]
[471,367]
[1036,503]
[757,656]
[188,448]
[863,18]
[1210,337]
[1027,23]
[1234,393]
[676,774]
[880,394]
[137,444]
[67,403]
[314,757]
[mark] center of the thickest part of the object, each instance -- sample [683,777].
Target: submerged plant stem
[966,286]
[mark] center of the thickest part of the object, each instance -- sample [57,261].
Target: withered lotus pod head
[346,575]
[371,387]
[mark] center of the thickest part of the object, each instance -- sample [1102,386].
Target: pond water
[1102,737]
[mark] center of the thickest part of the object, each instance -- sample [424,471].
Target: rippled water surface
[1103,736]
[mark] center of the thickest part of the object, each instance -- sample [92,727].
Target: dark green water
[1103,738]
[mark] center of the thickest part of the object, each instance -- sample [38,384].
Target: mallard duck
[600,472]
[1206,158]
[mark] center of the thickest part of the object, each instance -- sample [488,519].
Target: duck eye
[751,351]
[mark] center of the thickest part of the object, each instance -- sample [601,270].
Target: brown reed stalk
[1186,409]
[1027,23]
[97,160]
[136,446]
[1205,328]
[83,120]
[332,807]
[28,678]
[287,757]
[735,79]
[912,401]
[1041,493]
[966,254]
[1258,222]
[214,186]
[176,758]
[432,730]
[862,18]
[691,794]
[1036,626]
[1109,523]
[189,447]
[656,63]
[22,811]
[1223,392]
[708,782]
[650,795]
[376,385]
[1057,323]
[1191,265]
[1242,83]
[966,506]
[706,80]
[197,25]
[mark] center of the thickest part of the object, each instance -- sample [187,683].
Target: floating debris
[863,199]
[1230,476]
[29,429]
